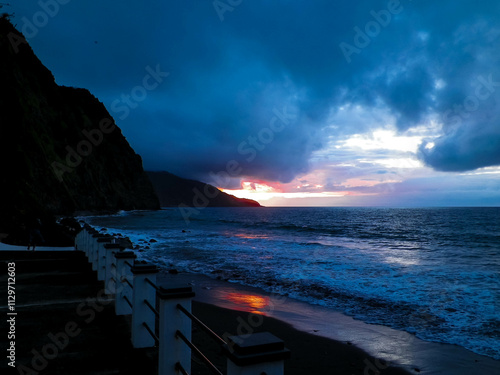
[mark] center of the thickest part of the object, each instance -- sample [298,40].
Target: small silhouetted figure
[34,227]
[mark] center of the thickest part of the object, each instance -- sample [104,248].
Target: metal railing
[136,298]
[125,280]
[202,325]
[198,353]
[128,301]
[153,335]
[152,284]
[156,312]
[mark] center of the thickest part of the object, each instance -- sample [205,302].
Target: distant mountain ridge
[60,149]
[173,191]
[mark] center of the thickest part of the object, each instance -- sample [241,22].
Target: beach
[310,354]
[334,342]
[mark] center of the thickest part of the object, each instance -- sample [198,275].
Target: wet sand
[332,340]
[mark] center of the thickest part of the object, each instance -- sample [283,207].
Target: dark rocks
[125,242]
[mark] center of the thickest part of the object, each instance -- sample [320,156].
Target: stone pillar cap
[256,348]
[141,268]
[105,239]
[124,254]
[113,246]
[176,292]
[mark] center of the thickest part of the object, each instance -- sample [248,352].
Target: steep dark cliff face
[60,150]
[174,191]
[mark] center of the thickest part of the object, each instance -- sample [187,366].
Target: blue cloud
[227,79]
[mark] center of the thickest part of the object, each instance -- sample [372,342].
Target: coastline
[310,354]
[321,340]
[404,352]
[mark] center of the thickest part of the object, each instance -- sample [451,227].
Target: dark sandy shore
[310,354]
[334,342]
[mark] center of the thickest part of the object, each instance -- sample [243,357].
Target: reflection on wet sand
[251,303]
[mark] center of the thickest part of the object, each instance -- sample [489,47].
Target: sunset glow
[393,123]
[262,192]
[248,302]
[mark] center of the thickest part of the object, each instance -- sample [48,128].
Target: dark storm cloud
[468,147]
[228,80]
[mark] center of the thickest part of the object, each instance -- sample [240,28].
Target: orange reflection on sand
[248,302]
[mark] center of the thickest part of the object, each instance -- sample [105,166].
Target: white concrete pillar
[86,240]
[101,256]
[142,313]
[110,267]
[172,349]
[257,353]
[95,250]
[122,288]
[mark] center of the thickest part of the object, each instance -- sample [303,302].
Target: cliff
[60,149]
[173,191]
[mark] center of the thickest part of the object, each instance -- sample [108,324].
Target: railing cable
[198,353]
[202,325]
[128,301]
[179,368]
[152,308]
[152,284]
[157,340]
[128,282]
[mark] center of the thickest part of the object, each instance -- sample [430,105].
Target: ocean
[434,272]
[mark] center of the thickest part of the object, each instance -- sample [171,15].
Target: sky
[293,102]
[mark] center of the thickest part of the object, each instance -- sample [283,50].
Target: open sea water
[434,272]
